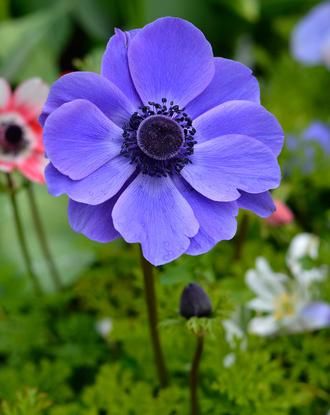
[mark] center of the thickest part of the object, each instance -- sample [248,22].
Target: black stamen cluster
[12,140]
[146,164]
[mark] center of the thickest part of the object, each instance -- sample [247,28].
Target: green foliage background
[52,360]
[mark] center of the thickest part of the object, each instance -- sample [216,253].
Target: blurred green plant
[31,44]
[28,402]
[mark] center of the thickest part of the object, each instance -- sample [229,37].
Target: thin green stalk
[42,238]
[240,238]
[21,236]
[151,302]
[193,378]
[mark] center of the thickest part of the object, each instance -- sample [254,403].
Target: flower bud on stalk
[195,302]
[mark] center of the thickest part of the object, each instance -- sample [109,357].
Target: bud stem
[151,301]
[42,238]
[21,235]
[193,378]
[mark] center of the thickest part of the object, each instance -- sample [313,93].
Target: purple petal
[115,65]
[92,87]
[319,132]
[216,219]
[153,212]
[170,58]
[316,315]
[79,139]
[311,35]
[231,81]
[96,188]
[95,222]
[221,167]
[262,204]
[240,117]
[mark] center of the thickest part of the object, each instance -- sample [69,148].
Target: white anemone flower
[235,334]
[286,304]
[302,246]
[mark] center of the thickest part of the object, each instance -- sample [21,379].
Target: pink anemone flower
[21,146]
[282,216]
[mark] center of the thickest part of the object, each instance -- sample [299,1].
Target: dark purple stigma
[159,139]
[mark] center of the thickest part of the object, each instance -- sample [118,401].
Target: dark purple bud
[195,302]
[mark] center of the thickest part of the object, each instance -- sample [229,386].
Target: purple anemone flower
[320,133]
[302,148]
[310,43]
[164,146]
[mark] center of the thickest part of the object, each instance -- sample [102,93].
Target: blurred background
[84,350]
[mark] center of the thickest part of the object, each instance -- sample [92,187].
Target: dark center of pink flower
[14,135]
[12,139]
[160,137]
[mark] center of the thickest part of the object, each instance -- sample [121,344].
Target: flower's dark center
[12,140]
[159,139]
[13,135]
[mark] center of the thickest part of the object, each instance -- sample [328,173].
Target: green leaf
[72,252]
[95,18]
[22,37]
[248,9]
[28,402]
[4,9]
[91,62]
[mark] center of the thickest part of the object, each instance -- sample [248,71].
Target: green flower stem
[42,237]
[241,237]
[151,301]
[193,378]
[21,235]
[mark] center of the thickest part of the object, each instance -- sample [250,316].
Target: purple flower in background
[310,43]
[302,148]
[164,146]
[316,315]
[319,132]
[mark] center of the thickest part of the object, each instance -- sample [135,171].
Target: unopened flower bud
[282,215]
[195,302]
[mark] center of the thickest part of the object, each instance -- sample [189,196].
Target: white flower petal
[263,326]
[262,266]
[5,92]
[264,282]
[308,277]
[304,244]
[291,324]
[260,304]
[233,331]
[229,359]
[104,326]
[255,283]
[30,96]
